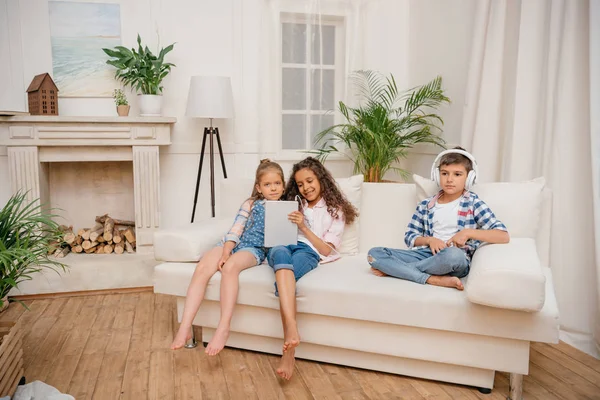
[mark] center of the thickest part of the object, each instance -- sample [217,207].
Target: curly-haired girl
[321,224]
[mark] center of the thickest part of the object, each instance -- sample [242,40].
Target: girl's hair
[330,192]
[265,166]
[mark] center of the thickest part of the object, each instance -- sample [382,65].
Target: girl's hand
[297,218]
[224,257]
[436,245]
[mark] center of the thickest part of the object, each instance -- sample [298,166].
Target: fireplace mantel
[34,141]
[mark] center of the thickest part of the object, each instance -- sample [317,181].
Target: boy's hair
[334,198]
[456,158]
[265,166]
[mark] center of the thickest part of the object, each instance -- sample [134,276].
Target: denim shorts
[258,252]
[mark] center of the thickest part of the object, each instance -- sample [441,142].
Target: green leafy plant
[26,233]
[140,69]
[120,98]
[379,132]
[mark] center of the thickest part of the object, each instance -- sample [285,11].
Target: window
[312,73]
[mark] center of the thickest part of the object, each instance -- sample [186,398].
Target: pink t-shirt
[327,228]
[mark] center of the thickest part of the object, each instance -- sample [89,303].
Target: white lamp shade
[210,97]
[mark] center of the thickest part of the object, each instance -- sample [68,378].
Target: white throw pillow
[352,188]
[516,204]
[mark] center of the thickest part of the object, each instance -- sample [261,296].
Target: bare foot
[446,281]
[292,340]
[286,366]
[378,272]
[217,342]
[183,335]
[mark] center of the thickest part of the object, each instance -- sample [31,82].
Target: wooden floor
[116,346]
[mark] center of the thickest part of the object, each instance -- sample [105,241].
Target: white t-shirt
[445,219]
[309,222]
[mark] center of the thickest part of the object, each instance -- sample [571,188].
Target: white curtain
[595,131]
[527,114]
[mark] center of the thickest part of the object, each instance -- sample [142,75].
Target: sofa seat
[347,289]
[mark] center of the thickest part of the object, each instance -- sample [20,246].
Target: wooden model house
[42,96]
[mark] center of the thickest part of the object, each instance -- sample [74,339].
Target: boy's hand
[297,218]
[436,245]
[459,239]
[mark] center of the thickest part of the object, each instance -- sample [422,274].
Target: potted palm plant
[385,125]
[142,71]
[26,233]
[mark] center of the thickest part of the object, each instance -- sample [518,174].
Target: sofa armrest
[507,276]
[189,243]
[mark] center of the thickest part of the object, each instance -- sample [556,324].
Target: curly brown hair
[333,196]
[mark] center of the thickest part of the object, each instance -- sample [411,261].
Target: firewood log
[102,220]
[96,231]
[61,253]
[109,227]
[129,234]
[86,234]
[117,238]
[88,244]
[69,237]
[119,248]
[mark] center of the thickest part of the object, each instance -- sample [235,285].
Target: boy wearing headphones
[445,229]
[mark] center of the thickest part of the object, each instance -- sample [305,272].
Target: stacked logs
[104,238]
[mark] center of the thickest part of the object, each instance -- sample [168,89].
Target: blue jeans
[418,265]
[300,258]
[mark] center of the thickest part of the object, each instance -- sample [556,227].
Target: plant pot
[123,111]
[11,357]
[150,105]
[4,305]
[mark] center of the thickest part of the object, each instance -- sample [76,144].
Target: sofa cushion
[347,289]
[517,204]
[189,243]
[351,187]
[507,276]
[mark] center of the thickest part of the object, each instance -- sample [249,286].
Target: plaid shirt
[473,213]
[239,224]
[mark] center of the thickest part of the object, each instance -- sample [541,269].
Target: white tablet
[279,230]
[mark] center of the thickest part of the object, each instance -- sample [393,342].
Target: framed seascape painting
[78,32]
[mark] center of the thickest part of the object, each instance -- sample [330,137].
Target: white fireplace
[70,162]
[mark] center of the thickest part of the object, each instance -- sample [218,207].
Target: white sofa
[348,316]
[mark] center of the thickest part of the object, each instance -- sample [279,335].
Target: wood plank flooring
[116,346]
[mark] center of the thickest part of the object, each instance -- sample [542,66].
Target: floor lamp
[209,97]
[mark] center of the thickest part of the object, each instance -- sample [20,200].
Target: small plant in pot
[121,102]
[27,232]
[142,71]
[385,125]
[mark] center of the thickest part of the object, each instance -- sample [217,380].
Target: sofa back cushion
[386,210]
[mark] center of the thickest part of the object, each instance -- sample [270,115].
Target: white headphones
[471,176]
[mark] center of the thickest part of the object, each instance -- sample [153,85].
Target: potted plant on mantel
[379,132]
[26,234]
[121,102]
[142,71]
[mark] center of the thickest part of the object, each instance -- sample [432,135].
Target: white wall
[415,40]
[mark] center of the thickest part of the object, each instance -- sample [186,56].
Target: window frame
[339,68]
